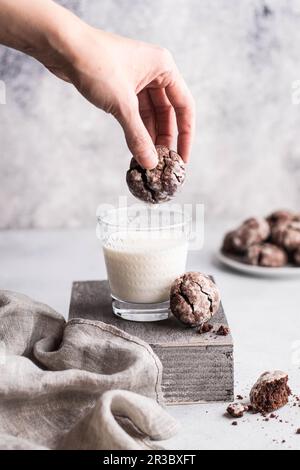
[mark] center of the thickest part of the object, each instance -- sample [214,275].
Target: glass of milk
[145,250]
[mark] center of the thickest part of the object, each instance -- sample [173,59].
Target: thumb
[137,137]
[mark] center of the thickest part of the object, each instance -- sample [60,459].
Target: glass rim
[187,219]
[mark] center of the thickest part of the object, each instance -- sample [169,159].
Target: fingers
[137,137]
[147,113]
[183,104]
[164,116]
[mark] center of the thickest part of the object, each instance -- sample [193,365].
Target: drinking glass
[145,250]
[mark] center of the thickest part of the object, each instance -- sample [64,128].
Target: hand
[138,83]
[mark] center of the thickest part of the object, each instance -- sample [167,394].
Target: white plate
[286,271]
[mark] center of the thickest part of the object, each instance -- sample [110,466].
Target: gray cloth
[76,385]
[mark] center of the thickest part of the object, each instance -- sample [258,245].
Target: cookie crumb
[298,431]
[222,331]
[234,423]
[205,328]
[237,410]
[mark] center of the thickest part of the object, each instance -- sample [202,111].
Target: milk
[141,266]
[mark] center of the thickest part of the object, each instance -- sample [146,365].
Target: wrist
[42,29]
[60,38]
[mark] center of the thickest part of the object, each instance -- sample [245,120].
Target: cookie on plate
[267,255]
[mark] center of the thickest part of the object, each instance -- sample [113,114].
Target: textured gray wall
[60,157]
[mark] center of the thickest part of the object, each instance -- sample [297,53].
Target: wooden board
[196,368]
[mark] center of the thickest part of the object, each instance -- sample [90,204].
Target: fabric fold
[121,416]
[77,385]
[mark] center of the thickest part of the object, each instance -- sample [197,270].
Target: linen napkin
[77,385]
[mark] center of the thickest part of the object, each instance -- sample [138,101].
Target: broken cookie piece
[194,299]
[161,183]
[237,410]
[267,255]
[205,328]
[223,331]
[270,392]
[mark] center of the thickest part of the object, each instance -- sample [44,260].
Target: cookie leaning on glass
[194,299]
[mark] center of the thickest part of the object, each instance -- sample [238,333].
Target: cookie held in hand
[270,392]
[162,182]
[267,255]
[194,299]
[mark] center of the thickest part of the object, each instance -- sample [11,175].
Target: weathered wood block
[196,368]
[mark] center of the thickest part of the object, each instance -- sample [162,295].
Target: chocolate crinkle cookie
[266,254]
[252,231]
[194,299]
[272,242]
[296,257]
[287,235]
[270,392]
[281,217]
[161,183]
[228,245]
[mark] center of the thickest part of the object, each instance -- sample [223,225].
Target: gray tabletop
[264,316]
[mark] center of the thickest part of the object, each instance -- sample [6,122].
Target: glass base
[141,312]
